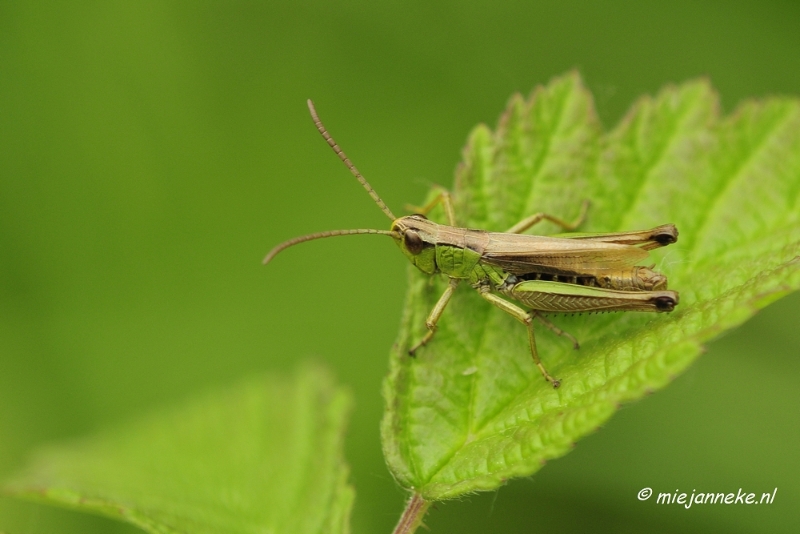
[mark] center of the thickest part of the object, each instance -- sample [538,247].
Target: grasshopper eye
[413,242]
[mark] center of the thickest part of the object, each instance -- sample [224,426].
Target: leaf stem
[416,507]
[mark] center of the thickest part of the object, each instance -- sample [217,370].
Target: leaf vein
[544,153]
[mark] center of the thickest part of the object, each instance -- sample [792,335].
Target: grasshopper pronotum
[573,273]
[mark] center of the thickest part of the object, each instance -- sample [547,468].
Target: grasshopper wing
[523,254]
[660,236]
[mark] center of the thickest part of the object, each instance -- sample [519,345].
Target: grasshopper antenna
[346,160]
[320,235]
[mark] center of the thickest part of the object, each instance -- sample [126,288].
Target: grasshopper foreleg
[525,318]
[442,198]
[556,330]
[527,222]
[436,313]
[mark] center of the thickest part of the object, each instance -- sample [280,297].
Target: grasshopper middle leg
[525,318]
[527,222]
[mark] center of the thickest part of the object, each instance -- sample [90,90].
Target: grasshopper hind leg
[556,330]
[537,361]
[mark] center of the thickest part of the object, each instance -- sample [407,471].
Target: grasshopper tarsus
[422,342]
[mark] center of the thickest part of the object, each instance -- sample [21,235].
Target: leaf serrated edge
[675,357]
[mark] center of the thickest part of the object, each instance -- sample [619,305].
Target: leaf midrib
[648,166]
[563,104]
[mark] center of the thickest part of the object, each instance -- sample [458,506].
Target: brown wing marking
[521,254]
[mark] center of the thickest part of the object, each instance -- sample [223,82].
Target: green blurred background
[152,152]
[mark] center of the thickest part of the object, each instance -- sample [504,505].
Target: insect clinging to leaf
[523,275]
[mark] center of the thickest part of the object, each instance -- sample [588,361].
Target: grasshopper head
[416,237]
[414,234]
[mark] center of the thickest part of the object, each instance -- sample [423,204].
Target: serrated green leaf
[264,457]
[471,410]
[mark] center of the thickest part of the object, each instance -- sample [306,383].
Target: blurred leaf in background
[265,455]
[151,153]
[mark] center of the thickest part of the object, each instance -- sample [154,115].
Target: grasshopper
[588,272]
